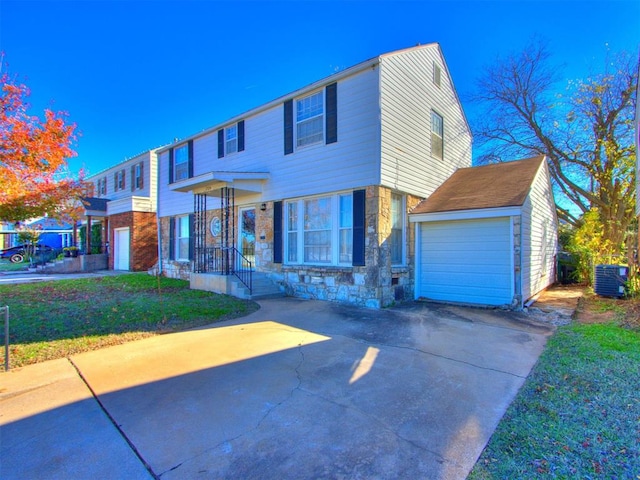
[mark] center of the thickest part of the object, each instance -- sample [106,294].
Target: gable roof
[489,186]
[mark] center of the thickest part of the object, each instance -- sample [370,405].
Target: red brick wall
[143,241]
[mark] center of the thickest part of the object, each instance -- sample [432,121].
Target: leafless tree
[585,129]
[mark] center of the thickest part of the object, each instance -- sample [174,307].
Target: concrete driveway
[299,389]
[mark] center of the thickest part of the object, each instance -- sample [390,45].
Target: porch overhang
[209,182]
[94,207]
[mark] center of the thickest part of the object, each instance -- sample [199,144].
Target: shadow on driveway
[298,389]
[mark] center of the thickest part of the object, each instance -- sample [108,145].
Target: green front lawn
[55,319]
[7,266]
[578,414]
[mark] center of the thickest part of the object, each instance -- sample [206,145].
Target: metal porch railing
[224,261]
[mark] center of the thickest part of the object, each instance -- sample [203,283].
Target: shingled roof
[489,186]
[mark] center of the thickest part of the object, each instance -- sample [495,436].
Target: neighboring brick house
[129,190]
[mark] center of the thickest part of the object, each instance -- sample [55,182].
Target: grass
[578,414]
[55,319]
[7,266]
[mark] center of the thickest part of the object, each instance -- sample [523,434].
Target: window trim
[437,154]
[185,162]
[437,75]
[403,220]
[177,237]
[119,180]
[234,139]
[321,116]
[300,231]
[137,176]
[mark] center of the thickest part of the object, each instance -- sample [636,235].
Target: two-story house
[124,202]
[314,189]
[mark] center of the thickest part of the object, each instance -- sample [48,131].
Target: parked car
[18,253]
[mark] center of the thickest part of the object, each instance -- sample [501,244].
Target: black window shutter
[277,232]
[133,177]
[288,127]
[115,182]
[359,201]
[141,174]
[124,183]
[221,143]
[190,149]
[241,136]
[332,113]
[191,239]
[172,238]
[171,165]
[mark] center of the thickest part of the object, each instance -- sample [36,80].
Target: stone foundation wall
[170,267]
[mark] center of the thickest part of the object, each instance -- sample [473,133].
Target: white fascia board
[465,214]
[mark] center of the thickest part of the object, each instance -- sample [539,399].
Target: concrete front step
[263,287]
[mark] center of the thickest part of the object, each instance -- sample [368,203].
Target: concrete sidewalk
[298,389]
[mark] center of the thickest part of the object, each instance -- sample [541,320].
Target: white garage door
[467,261]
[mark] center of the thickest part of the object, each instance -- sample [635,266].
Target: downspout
[157,195]
[159,241]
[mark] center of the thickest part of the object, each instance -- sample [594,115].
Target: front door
[121,249]
[247,236]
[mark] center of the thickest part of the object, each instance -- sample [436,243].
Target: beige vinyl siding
[351,162]
[170,203]
[408,95]
[151,179]
[539,236]
[124,196]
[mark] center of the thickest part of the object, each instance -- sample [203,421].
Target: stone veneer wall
[143,232]
[171,268]
[375,285]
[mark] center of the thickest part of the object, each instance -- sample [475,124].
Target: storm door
[247,234]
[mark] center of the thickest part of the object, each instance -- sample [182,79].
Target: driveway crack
[113,421]
[259,422]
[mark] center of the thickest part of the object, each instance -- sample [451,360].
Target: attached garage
[487,236]
[467,261]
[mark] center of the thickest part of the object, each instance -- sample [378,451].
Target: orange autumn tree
[33,157]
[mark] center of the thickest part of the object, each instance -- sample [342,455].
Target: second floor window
[310,120]
[101,186]
[437,135]
[137,172]
[181,163]
[118,180]
[231,139]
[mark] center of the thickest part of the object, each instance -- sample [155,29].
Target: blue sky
[134,75]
